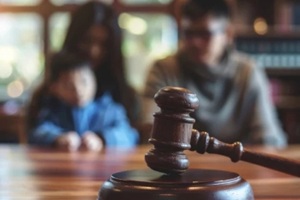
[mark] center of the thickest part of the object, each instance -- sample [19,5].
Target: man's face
[76,87]
[205,39]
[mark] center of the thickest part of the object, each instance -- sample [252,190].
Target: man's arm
[265,125]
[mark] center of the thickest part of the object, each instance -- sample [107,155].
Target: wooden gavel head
[172,130]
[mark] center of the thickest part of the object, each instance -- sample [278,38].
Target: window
[21,54]
[58,26]
[20,2]
[147,37]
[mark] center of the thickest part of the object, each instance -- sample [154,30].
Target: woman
[94,32]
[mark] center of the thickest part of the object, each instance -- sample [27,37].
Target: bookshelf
[272,51]
[277,50]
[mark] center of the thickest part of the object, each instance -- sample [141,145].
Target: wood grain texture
[40,173]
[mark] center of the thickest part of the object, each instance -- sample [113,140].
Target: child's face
[76,87]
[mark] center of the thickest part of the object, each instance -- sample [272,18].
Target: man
[233,93]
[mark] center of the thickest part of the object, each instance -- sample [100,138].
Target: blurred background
[30,30]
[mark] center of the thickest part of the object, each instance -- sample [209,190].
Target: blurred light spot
[15,89]
[260,26]
[164,1]
[8,53]
[11,107]
[123,19]
[5,70]
[134,25]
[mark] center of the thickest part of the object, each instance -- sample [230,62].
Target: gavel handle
[201,142]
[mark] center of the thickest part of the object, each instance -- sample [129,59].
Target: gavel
[169,176]
[173,132]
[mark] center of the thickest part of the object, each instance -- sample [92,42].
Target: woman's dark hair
[110,75]
[195,9]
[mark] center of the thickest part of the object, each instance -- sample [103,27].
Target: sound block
[194,184]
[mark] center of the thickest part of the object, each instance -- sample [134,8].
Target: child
[70,117]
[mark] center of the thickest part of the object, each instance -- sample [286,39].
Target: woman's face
[94,44]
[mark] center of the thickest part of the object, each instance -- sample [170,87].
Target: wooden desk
[35,173]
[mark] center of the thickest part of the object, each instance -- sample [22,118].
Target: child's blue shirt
[102,116]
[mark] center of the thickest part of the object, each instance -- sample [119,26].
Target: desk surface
[35,173]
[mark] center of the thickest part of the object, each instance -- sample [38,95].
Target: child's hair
[195,9]
[65,61]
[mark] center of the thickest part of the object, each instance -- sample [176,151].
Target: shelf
[287,102]
[283,72]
